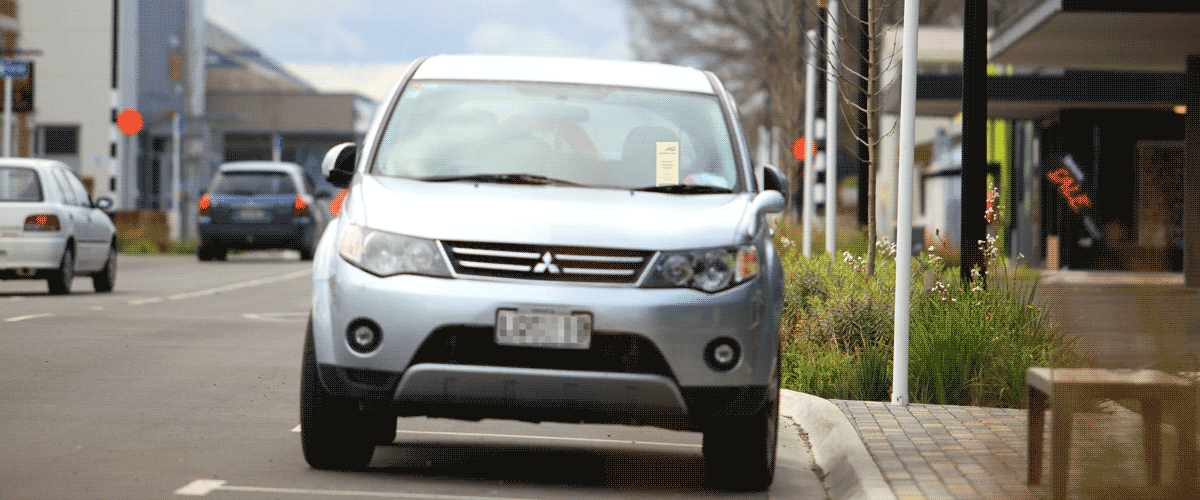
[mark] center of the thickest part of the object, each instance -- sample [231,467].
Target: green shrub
[968,345]
[185,247]
[139,246]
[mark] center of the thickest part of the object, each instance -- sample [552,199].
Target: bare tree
[756,47]
[863,92]
[752,45]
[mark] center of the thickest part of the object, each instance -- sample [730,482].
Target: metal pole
[7,116]
[831,112]
[810,163]
[177,230]
[1191,186]
[908,120]
[974,136]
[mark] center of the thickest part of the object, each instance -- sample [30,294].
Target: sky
[362,45]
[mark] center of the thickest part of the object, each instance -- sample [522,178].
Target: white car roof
[34,163]
[650,75]
[260,165]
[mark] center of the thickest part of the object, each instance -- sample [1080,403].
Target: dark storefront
[1111,182]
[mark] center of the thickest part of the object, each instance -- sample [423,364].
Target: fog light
[722,354]
[363,336]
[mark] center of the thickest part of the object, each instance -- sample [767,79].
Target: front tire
[60,279]
[740,451]
[336,433]
[103,280]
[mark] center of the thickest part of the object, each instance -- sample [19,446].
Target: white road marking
[150,300]
[244,284]
[15,319]
[550,438]
[97,308]
[202,487]
[280,317]
[199,487]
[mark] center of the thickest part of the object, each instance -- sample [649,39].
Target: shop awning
[1139,35]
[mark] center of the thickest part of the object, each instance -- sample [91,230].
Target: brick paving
[963,452]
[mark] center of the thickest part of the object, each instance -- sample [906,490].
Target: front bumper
[537,395]
[679,323]
[416,314]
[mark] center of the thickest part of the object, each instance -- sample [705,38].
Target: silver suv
[548,240]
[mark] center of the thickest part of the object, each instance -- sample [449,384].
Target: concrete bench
[1068,390]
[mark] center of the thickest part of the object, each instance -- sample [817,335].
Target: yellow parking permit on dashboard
[668,163]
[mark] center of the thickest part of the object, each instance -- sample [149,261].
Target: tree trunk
[872,130]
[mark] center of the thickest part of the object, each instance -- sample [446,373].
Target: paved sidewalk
[923,451]
[963,452]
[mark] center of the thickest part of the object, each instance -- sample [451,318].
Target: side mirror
[103,203]
[338,166]
[774,180]
[767,202]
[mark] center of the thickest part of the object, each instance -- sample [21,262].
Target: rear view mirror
[338,166]
[774,180]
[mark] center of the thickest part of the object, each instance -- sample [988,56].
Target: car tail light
[42,222]
[205,205]
[299,207]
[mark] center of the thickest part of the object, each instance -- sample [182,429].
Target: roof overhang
[1144,35]
[1030,97]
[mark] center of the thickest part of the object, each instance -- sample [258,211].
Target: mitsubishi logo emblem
[547,264]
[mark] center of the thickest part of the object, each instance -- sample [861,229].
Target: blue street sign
[14,69]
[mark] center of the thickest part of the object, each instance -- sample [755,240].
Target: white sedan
[51,229]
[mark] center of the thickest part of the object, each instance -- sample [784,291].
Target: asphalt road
[185,382]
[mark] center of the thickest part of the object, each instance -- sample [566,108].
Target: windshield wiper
[501,179]
[685,189]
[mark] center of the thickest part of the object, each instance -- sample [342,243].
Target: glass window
[612,137]
[60,140]
[20,184]
[81,193]
[252,182]
[60,181]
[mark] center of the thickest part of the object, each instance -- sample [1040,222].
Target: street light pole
[831,112]
[8,97]
[176,217]
[908,120]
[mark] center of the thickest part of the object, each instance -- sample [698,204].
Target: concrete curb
[847,469]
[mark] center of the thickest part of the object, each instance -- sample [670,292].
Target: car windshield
[543,133]
[251,182]
[19,184]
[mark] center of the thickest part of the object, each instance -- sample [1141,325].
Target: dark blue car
[260,205]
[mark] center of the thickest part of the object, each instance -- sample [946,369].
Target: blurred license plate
[252,214]
[543,329]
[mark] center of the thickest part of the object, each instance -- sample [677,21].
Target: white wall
[74,74]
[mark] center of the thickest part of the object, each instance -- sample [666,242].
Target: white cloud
[370,80]
[318,24]
[496,37]
[335,40]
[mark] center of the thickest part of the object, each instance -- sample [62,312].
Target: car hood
[549,214]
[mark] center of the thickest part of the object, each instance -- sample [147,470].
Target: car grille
[547,262]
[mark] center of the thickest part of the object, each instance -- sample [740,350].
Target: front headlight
[710,270]
[388,254]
